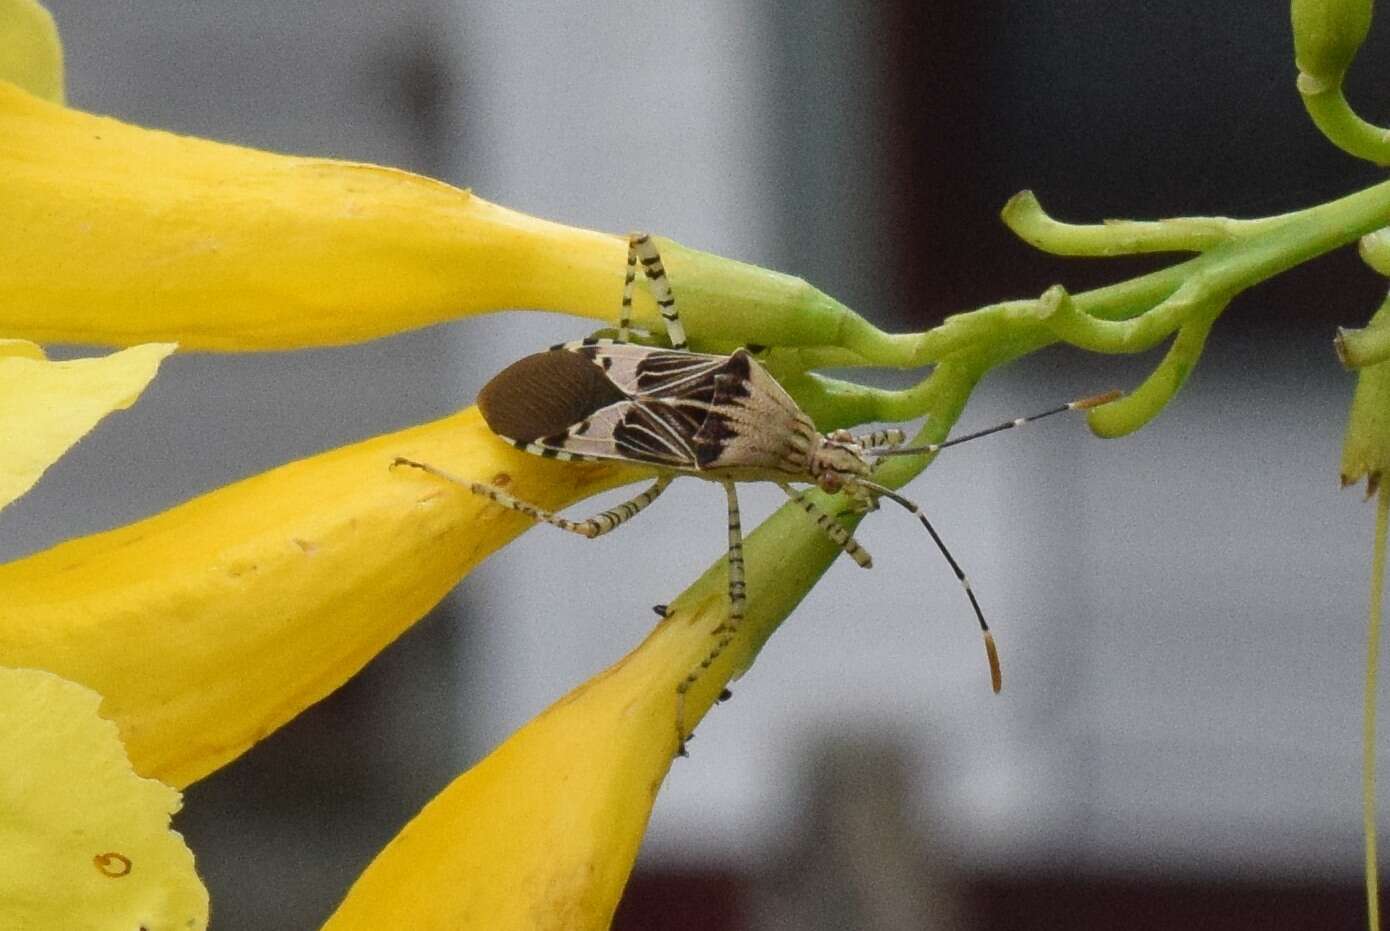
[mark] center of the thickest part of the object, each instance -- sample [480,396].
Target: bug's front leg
[724,633]
[590,527]
[837,534]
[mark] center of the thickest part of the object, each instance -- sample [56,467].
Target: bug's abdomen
[545,394]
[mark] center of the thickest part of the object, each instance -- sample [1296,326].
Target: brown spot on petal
[308,546]
[501,480]
[112,864]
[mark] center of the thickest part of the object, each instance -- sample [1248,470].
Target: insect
[720,418]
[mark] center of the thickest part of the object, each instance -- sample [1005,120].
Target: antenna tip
[1086,404]
[996,677]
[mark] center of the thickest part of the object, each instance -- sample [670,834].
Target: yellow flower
[208,626]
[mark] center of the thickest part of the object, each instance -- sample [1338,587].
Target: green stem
[1332,114]
[1368,736]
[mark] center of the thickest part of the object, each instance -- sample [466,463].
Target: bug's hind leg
[640,248]
[724,633]
[830,527]
[590,527]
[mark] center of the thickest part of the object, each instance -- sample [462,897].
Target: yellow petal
[208,626]
[46,407]
[542,834]
[118,234]
[85,843]
[30,54]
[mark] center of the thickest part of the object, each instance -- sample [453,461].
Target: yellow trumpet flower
[210,625]
[206,627]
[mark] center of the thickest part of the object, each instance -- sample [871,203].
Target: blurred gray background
[1181,613]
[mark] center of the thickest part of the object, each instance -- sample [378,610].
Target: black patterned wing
[629,430]
[646,373]
[691,412]
[656,433]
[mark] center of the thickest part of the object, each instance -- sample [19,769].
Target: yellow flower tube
[542,834]
[118,234]
[206,627]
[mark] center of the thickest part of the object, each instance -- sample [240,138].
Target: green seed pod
[1326,37]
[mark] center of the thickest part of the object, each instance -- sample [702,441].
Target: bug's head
[838,460]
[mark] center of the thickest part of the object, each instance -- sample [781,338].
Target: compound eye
[830,482]
[841,436]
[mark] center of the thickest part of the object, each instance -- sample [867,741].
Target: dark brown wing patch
[545,394]
[718,428]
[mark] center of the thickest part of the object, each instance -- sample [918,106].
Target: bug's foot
[866,506]
[662,611]
[724,695]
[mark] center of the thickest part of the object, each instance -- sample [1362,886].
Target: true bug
[721,418]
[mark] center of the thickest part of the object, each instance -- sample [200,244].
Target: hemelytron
[720,418]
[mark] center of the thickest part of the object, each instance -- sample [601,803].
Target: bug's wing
[646,373]
[753,425]
[632,431]
[657,433]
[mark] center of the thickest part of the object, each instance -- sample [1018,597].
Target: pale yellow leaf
[31,54]
[46,407]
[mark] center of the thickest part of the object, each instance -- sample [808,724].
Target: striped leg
[629,282]
[595,526]
[882,439]
[641,247]
[830,527]
[724,633]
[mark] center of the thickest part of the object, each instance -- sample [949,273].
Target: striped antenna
[1081,405]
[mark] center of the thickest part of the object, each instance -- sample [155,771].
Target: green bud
[1326,37]
[1366,449]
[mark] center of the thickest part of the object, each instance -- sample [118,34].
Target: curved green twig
[1333,115]
[1026,217]
[1138,334]
[1137,408]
